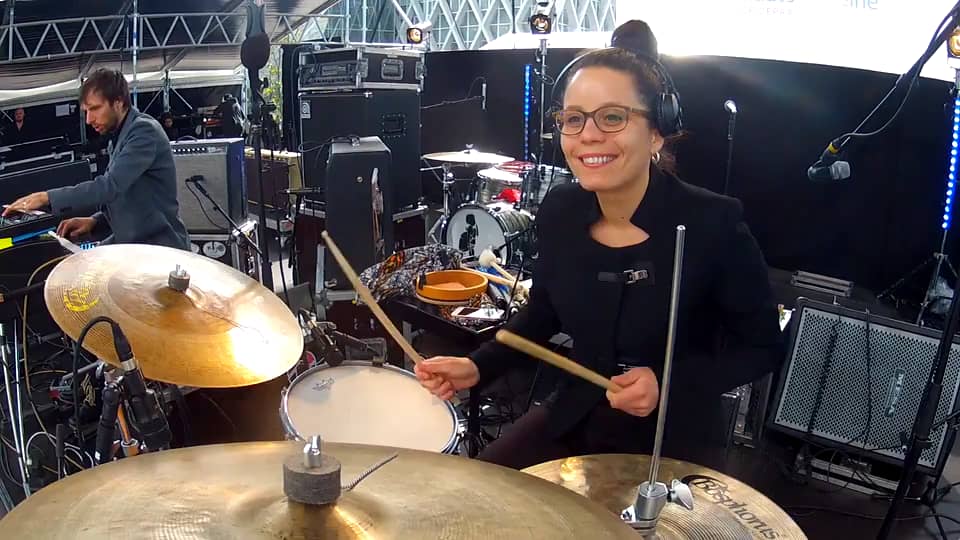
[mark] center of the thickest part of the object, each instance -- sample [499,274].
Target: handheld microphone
[147,415]
[483,92]
[731,106]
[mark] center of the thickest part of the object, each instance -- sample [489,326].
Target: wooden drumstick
[525,345]
[369,300]
[490,277]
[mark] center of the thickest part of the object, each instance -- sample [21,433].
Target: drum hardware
[653,495]
[236,491]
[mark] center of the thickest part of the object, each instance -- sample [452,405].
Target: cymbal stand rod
[652,495]
[668,355]
[14,419]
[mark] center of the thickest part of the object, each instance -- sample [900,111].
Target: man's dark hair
[109,83]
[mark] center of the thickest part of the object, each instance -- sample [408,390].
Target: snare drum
[358,402]
[473,228]
[493,182]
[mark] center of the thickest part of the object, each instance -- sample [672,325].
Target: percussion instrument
[452,285]
[723,506]
[224,330]
[473,228]
[359,402]
[236,491]
[493,182]
[468,157]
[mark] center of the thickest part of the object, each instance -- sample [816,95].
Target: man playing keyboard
[137,195]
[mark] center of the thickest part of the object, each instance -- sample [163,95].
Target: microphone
[108,422]
[61,450]
[838,170]
[326,349]
[147,416]
[731,106]
[195,179]
[255,51]
[829,167]
[483,91]
[21,292]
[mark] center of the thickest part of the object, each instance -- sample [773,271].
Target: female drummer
[604,278]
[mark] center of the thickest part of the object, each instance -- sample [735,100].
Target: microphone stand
[731,126]
[923,424]
[237,231]
[652,495]
[259,107]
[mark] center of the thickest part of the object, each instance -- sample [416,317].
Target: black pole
[923,424]
[256,127]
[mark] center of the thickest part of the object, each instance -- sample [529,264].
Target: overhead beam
[111,30]
[182,53]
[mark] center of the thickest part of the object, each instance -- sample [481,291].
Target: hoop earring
[656,158]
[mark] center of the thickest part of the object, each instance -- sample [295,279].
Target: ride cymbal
[468,156]
[723,507]
[225,330]
[235,491]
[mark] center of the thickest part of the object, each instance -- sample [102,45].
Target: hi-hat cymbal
[723,506]
[236,491]
[226,330]
[469,156]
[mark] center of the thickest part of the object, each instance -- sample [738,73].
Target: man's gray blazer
[137,195]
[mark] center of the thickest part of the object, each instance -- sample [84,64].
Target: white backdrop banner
[880,35]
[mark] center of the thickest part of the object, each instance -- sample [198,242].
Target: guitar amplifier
[854,381]
[359,206]
[220,163]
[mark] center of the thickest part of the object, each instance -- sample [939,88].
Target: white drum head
[359,403]
[500,175]
[472,229]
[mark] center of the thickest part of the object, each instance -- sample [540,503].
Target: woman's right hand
[443,376]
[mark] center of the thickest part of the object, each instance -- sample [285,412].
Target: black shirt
[728,332]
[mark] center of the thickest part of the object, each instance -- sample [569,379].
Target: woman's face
[608,161]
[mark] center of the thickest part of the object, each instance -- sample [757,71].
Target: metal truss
[111,33]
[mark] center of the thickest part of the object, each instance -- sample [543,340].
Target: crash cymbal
[226,330]
[236,491]
[469,156]
[723,507]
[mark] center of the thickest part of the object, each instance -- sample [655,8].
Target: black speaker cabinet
[391,115]
[854,381]
[359,206]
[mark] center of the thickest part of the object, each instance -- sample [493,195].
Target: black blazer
[728,332]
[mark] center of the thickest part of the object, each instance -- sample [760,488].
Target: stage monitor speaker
[220,163]
[392,115]
[854,381]
[358,207]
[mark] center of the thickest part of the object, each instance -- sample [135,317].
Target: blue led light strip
[527,104]
[952,177]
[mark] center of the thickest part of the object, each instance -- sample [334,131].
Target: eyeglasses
[610,119]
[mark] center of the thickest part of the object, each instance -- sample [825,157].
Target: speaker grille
[865,403]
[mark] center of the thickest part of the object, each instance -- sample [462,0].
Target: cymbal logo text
[718,491]
[80,297]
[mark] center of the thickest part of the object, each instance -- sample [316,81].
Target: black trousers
[692,434]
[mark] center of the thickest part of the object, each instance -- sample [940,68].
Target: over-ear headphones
[668,115]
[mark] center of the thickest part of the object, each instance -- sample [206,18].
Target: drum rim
[287,422]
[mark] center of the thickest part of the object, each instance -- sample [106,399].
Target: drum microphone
[146,414]
[106,428]
[483,92]
[325,347]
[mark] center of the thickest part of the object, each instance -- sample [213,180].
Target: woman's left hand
[640,394]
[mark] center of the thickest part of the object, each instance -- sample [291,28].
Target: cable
[469,97]
[76,359]
[26,365]
[202,209]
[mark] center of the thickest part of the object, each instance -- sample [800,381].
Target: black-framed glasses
[611,119]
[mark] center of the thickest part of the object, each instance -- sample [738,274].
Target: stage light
[418,33]
[541,22]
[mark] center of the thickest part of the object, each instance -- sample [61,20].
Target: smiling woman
[606,255]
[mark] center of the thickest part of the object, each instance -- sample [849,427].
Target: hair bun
[635,36]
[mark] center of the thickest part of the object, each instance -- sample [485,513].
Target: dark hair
[109,83]
[646,81]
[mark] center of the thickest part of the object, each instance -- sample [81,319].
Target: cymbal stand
[653,495]
[448,182]
[15,411]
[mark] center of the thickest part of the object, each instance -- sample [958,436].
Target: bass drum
[473,228]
